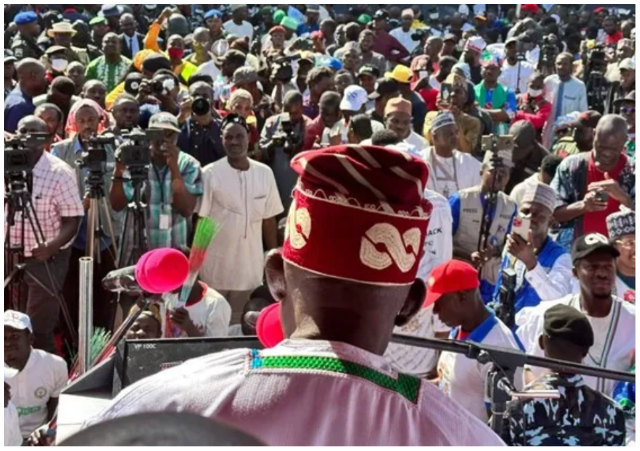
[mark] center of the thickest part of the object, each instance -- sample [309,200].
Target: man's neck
[596,306]
[443,153]
[480,315]
[367,53]
[406,30]
[512,61]
[238,21]
[565,78]
[490,84]
[240,163]
[196,293]
[626,270]
[539,241]
[159,160]
[112,58]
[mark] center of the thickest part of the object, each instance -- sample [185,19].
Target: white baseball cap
[9,373]
[627,64]
[476,43]
[354,98]
[17,320]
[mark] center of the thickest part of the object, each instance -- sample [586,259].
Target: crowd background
[229,94]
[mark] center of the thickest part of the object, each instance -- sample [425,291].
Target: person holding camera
[200,133]
[404,33]
[592,185]
[173,187]
[620,89]
[543,267]
[161,94]
[283,138]
[86,121]
[59,209]
[263,105]
[242,195]
[516,71]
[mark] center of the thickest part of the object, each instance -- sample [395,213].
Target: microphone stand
[504,363]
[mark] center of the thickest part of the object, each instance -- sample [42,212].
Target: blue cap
[213,13]
[333,63]
[25,18]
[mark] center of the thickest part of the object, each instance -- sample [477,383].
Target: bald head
[609,143]
[31,124]
[28,67]
[31,77]
[201,34]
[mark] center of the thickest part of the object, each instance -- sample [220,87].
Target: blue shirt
[306,28]
[16,106]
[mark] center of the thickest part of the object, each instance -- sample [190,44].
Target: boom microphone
[157,272]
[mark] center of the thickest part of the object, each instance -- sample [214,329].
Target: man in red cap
[453,288]
[343,286]
[528,11]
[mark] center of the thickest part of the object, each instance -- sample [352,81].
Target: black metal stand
[135,218]
[18,199]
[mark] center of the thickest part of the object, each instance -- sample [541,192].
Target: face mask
[59,65]
[175,53]
[535,92]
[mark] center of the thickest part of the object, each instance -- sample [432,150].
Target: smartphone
[504,142]
[602,197]
[521,226]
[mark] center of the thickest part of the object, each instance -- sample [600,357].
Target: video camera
[595,65]
[135,152]
[95,156]
[282,68]
[548,51]
[201,106]
[420,34]
[17,151]
[286,139]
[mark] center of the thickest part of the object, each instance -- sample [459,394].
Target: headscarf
[71,128]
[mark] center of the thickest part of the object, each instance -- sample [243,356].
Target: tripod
[18,200]
[97,200]
[136,221]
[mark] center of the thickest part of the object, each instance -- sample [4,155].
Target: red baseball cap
[269,327]
[531,8]
[450,277]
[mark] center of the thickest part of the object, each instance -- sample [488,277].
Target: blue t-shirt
[16,106]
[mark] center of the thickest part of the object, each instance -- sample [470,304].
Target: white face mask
[59,65]
[535,92]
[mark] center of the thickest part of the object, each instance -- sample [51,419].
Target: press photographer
[58,209]
[595,67]
[283,137]
[161,93]
[173,186]
[201,133]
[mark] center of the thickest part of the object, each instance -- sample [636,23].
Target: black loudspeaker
[138,359]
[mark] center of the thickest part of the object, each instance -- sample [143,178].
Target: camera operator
[282,79]
[620,89]
[263,105]
[58,207]
[404,33]
[126,114]
[86,120]
[283,137]
[421,35]
[201,133]
[160,94]
[173,187]
[515,70]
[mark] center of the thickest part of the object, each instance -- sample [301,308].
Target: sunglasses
[627,110]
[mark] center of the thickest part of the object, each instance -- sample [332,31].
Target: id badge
[165,222]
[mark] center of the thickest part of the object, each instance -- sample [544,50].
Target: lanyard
[447,177]
[161,182]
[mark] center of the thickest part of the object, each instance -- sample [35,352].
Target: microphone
[157,272]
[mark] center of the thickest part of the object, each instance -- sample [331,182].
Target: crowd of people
[372,171]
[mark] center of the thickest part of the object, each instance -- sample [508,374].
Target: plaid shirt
[54,195]
[159,196]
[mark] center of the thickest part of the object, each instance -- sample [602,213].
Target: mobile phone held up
[521,226]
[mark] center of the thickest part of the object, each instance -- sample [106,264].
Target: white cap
[9,373]
[628,64]
[464,10]
[17,320]
[476,43]
[354,98]
[236,7]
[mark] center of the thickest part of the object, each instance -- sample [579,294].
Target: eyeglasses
[627,244]
[625,110]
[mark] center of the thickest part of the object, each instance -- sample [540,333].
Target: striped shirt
[54,195]
[159,196]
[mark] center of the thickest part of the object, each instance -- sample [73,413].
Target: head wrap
[541,194]
[379,193]
[71,128]
[621,223]
[443,119]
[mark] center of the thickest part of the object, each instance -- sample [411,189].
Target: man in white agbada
[449,169]
[543,268]
[438,248]
[340,297]
[612,319]
[622,234]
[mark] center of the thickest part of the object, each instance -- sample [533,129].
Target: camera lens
[201,106]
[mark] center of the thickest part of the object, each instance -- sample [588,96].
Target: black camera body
[595,80]
[420,34]
[286,139]
[201,106]
[17,152]
[95,156]
[135,153]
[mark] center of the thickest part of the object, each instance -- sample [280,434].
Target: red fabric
[269,327]
[312,132]
[379,194]
[596,222]
[162,270]
[449,277]
[531,8]
[385,44]
[430,97]
[614,38]
[462,335]
[537,119]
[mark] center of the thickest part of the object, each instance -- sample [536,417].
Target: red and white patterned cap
[358,214]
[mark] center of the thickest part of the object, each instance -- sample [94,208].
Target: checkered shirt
[54,195]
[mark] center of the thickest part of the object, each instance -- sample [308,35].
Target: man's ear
[274,272]
[413,303]
[541,341]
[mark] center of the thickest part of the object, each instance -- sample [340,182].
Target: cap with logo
[381,14]
[621,223]
[568,324]
[588,244]
[450,277]
[17,320]
[443,119]
[354,98]
[476,43]
[9,57]
[379,193]
[164,121]
[290,23]
[401,74]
